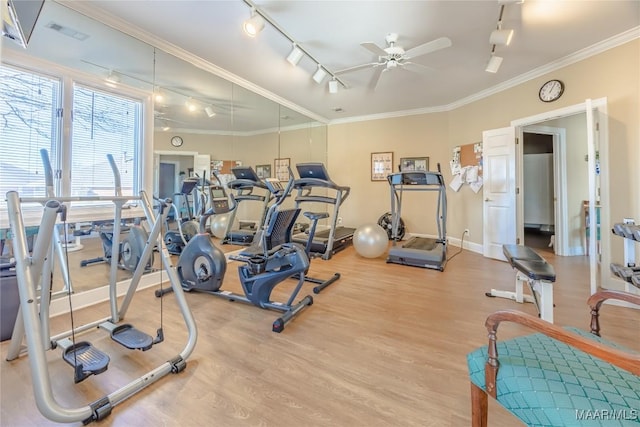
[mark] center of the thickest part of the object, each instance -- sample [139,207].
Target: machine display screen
[217,193]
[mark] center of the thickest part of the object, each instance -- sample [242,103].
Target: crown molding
[119,24]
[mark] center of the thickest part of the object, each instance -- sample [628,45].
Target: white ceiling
[331,31]
[547,34]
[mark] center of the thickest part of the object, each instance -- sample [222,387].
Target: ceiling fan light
[295,56]
[319,75]
[253,25]
[494,64]
[501,37]
[333,86]
[210,112]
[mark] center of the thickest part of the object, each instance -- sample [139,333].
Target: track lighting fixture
[494,64]
[319,75]
[113,77]
[333,86]
[254,24]
[158,95]
[190,104]
[295,56]
[297,51]
[501,37]
[210,112]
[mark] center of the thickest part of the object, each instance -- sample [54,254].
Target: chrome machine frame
[33,316]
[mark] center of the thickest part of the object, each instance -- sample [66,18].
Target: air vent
[69,32]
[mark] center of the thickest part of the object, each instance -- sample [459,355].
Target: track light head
[319,75]
[501,37]
[254,24]
[210,111]
[113,77]
[494,64]
[333,86]
[295,56]
[190,104]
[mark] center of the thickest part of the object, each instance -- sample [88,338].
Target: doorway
[167,180]
[538,187]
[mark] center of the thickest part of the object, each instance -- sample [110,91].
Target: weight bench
[557,376]
[537,273]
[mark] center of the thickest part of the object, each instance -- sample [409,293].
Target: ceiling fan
[394,56]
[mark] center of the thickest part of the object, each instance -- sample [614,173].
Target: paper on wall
[456,182]
[476,185]
[471,174]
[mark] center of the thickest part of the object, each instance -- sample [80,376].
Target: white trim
[125,27]
[561,246]
[95,296]
[589,105]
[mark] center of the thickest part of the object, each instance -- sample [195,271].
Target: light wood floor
[384,346]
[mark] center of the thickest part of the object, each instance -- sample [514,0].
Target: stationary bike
[202,265]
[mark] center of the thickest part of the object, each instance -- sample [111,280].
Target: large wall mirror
[201,123]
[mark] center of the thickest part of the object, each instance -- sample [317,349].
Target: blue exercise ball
[370,240]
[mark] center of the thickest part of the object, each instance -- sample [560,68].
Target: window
[103,124]
[29,105]
[31,117]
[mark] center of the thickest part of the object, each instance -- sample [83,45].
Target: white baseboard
[101,294]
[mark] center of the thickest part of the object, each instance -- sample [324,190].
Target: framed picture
[408,164]
[281,167]
[381,165]
[263,171]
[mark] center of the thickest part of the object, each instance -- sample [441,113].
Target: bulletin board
[466,166]
[223,167]
[471,155]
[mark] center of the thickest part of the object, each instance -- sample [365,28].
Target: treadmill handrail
[243,183]
[309,183]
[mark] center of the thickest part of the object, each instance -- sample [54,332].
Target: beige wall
[614,74]
[349,163]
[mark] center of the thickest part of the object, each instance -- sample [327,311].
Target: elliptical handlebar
[116,174]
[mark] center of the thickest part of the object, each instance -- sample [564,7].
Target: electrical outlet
[466,231]
[339,220]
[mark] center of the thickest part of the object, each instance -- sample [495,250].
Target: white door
[499,190]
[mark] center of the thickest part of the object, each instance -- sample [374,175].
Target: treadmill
[314,177]
[418,251]
[247,186]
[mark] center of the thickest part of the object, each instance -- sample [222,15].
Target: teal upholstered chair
[558,376]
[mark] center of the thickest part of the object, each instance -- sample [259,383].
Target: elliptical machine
[202,265]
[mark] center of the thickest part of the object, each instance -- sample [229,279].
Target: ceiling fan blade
[428,47]
[356,68]
[376,77]
[417,68]
[374,48]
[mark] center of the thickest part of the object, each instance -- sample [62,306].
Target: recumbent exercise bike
[202,265]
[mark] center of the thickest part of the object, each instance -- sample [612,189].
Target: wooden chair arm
[619,358]
[596,300]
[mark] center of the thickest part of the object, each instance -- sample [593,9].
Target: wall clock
[551,90]
[177,141]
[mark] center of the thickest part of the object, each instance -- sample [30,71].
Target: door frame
[602,134]
[560,209]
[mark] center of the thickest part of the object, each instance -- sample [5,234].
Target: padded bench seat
[536,272]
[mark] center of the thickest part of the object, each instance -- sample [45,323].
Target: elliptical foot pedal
[86,360]
[132,338]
